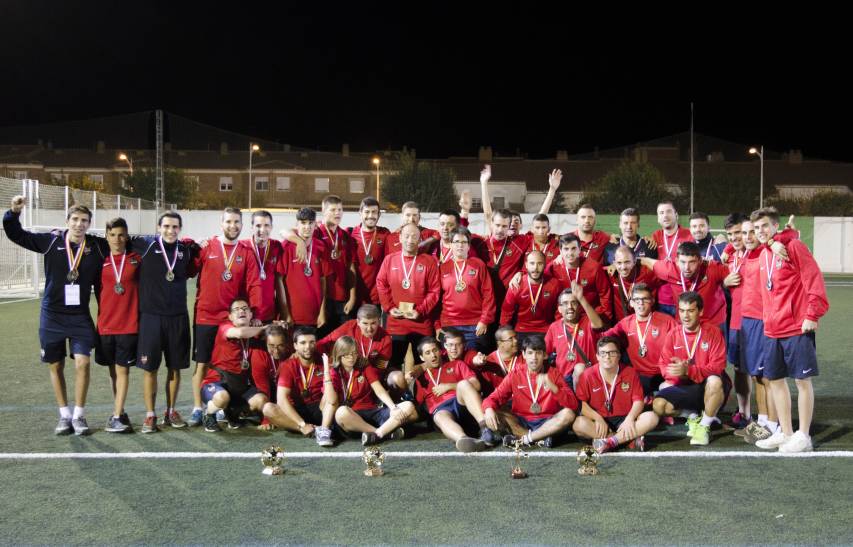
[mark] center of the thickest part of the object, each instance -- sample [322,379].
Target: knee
[713,385]
[269,409]
[408,409]
[659,405]
[342,413]
[565,417]
[221,399]
[258,402]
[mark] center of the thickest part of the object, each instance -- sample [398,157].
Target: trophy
[517,471]
[272,458]
[373,458]
[588,460]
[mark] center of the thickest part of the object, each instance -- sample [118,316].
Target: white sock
[197,408]
[78,412]
[65,412]
[212,408]
[526,438]
[762,419]
[170,410]
[707,420]
[772,426]
[149,414]
[689,414]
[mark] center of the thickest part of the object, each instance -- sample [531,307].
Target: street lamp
[376,163]
[252,149]
[124,157]
[760,153]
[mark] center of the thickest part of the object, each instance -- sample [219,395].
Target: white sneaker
[798,442]
[323,436]
[773,441]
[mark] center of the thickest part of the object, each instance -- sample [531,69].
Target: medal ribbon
[642,337]
[74,261]
[442,256]
[690,350]
[307,381]
[608,394]
[170,267]
[329,234]
[737,261]
[347,389]
[228,260]
[408,275]
[118,271]
[261,263]
[459,272]
[684,285]
[435,381]
[507,368]
[497,259]
[534,395]
[768,265]
[667,247]
[533,301]
[574,335]
[365,354]
[363,244]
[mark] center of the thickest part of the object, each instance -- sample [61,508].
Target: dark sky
[439,77]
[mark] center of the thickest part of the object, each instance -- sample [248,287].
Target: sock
[772,426]
[149,414]
[612,442]
[65,412]
[688,414]
[212,408]
[197,408]
[526,438]
[762,419]
[78,412]
[170,410]
[707,420]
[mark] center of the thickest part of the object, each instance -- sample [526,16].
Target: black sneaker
[210,424]
[125,419]
[489,437]
[468,444]
[510,440]
[547,442]
[233,418]
[370,439]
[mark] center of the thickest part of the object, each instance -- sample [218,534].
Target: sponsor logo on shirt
[705,346]
[655,332]
[360,380]
[420,268]
[584,282]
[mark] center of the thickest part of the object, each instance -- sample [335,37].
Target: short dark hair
[688,248]
[536,342]
[641,287]
[170,214]
[368,311]
[734,219]
[303,331]
[604,340]
[565,239]
[630,212]
[306,213]
[262,213]
[703,216]
[238,299]
[770,212]
[450,332]
[332,199]
[77,208]
[691,297]
[505,213]
[541,217]
[667,202]
[426,341]
[117,222]
[232,211]
[276,330]
[451,213]
[369,201]
[586,206]
[461,231]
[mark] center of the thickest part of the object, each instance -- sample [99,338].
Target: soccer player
[72,265]
[306,284]
[572,266]
[164,325]
[491,369]
[794,300]
[467,296]
[410,213]
[263,278]
[541,239]
[409,289]
[306,400]
[442,388]
[266,364]
[611,399]
[365,405]
[370,244]
[534,301]
[593,243]
[221,266]
[626,274]
[228,378]
[629,226]
[573,336]
[700,230]
[543,406]
[341,297]
[118,319]
[693,365]
[505,251]
[667,239]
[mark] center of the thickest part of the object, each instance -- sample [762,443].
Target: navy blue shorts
[751,346]
[650,383]
[167,335]
[613,422]
[792,357]
[375,416]
[692,396]
[733,348]
[452,406]
[56,328]
[116,349]
[211,389]
[311,413]
[203,338]
[533,424]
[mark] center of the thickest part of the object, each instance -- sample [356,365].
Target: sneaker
[638,444]
[510,440]
[701,435]
[489,437]
[691,425]
[600,445]
[115,425]
[370,439]
[397,435]
[124,418]
[773,441]
[233,419]
[798,442]
[80,426]
[324,436]
[755,433]
[220,416]
[740,421]
[196,418]
[742,431]
[150,425]
[468,444]
[210,423]
[63,427]
[174,419]
[547,442]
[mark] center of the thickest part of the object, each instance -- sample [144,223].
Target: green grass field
[435,500]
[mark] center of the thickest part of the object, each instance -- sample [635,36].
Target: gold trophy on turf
[588,460]
[373,458]
[272,458]
[517,471]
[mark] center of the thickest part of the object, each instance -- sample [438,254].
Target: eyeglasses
[605,353]
[640,300]
[241,308]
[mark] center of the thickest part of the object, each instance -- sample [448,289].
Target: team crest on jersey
[509,252]
[134,262]
[549,254]
[704,279]
[779,263]
[580,332]
[420,267]
[380,242]
[87,251]
[705,346]
[360,379]
[472,273]
[450,370]
[319,373]
[593,245]
[584,282]
[143,359]
[655,332]
[180,255]
[625,386]
[239,259]
[547,294]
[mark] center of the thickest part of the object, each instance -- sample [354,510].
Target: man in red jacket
[794,299]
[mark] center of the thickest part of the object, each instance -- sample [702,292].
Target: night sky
[444,79]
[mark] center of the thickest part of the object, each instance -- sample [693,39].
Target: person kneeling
[611,398]
[542,403]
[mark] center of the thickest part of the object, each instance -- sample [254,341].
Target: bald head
[410,236]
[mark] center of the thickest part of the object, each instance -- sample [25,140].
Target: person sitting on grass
[611,398]
[365,405]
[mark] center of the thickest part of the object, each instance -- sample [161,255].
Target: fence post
[139,213]
[94,208]
[66,201]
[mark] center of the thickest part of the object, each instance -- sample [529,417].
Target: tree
[630,184]
[719,190]
[177,188]
[425,182]
[85,182]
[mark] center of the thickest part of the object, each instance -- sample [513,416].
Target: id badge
[72,295]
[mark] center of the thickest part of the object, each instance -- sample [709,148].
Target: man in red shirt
[593,242]
[410,213]
[573,336]
[794,300]
[540,238]
[409,289]
[533,303]
[644,333]
[491,369]
[611,397]
[306,283]
[118,318]
[572,266]
[221,266]
[467,296]
[369,247]
[443,391]
[228,378]
[627,273]
[543,406]
[667,240]
[693,365]
[306,400]
[266,364]
[263,278]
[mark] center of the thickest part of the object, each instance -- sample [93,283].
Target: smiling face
[232,225]
[629,225]
[569,308]
[446,224]
[370,216]
[608,357]
[411,215]
[460,246]
[571,253]
[689,315]
[276,346]
[699,228]
[240,314]
[261,228]
[747,232]
[305,346]
[410,236]
[735,236]
[169,229]
[534,358]
[765,229]
[642,303]
[78,224]
[623,259]
[455,347]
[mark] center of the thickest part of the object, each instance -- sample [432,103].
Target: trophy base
[519,473]
[588,471]
[373,472]
[273,471]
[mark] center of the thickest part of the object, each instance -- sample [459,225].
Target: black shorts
[399,346]
[311,413]
[167,335]
[375,416]
[116,349]
[238,386]
[650,383]
[692,396]
[56,328]
[203,338]
[613,422]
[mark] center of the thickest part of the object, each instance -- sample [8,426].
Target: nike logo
[157,252]
[806,371]
[760,368]
[676,347]
[521,387]
[596,389]
[212,256]
[60,248]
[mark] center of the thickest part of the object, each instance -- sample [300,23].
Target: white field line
[406,455]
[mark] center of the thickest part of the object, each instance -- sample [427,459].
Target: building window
[226,184]
[262,184]
[97,179]
[321,185]
[19,175]
[282,184]
[498,203]
[356,186]
[193,182]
